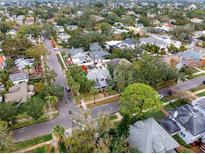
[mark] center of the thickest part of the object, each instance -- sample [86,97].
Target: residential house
[29,20]
[72,27]
[100,76]
[128,43]
[192,58]
[188,121]
[78,56]
[136,30]
[63,37]
[20,19]
[12,33]
[148,136]
[2,62]
[97,53]
[59,29]
[22,62]
[196,20]
[198,34]
[19,77]
[19,93]
[162,41]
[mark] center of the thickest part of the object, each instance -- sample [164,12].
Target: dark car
[203,81]
[68,89]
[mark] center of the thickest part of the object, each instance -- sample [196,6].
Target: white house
[72,27]
[162,41]
[19,77]
[100,76]
[124,44]
[187,121]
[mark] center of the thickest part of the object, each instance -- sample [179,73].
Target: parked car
[203,81]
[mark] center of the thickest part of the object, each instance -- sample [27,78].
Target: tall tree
[93,91]
[34,107]
[58,134]
[6,143]
[51,100]
[138,98]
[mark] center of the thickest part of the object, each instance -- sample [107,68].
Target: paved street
[189,84]
[105,109]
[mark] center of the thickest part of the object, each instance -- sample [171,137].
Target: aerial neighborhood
[102,76]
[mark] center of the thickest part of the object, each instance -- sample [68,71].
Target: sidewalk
[29,149]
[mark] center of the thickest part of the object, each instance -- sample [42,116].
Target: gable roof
[149,137]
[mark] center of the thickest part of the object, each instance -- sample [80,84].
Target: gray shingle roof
[169,125]
[148,136]
[18,76]
[193,120]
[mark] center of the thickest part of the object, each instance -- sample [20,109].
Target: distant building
[29,21]
[97,53]
[2,62]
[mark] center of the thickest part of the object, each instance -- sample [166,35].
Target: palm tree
[27,68]
[50,100]
[57,134]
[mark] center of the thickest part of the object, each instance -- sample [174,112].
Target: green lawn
[168,98]
[198,75]
[60,61]
[31,142]
[180,141]
[29,122]
[201,94]
[175,104]
[42,149]
[155,115]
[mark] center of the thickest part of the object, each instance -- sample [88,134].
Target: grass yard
[168,98]
[105,101]
[60,61]
[156,115]
[174,105]
[31,142]
[201,94]
[42,149]
[180,141]
[198,88]
[198,75]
